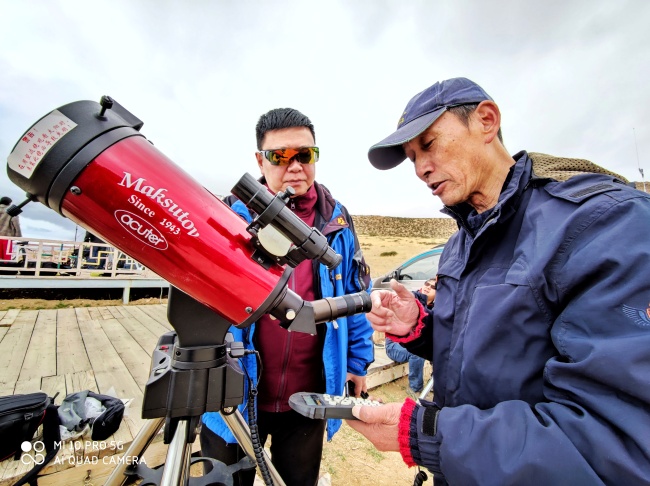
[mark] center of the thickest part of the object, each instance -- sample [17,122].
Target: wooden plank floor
[70,350]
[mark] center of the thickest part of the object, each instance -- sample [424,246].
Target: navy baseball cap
[420,113]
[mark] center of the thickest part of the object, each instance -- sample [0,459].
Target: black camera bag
[20,416]
[109,421]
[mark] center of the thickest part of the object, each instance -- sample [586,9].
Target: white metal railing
[35,257]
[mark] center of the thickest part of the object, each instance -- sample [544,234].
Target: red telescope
[90,163]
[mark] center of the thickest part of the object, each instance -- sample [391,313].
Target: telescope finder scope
[305,242]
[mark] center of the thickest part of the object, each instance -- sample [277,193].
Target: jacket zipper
[292,283]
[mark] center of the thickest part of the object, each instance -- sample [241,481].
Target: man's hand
[380,425]
[359,383]
[393,312]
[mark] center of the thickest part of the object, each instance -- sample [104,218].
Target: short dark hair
[5,200]
[278,119]
[463,112]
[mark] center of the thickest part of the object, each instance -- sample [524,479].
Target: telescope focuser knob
[288,194]
[106,103]
[14,210]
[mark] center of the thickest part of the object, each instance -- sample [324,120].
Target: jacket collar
[508,199]
[325,220]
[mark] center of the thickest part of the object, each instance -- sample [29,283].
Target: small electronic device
[350,390]
[323,406]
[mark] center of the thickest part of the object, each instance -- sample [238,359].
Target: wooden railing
[35,257]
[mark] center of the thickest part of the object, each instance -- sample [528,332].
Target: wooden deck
[95,348]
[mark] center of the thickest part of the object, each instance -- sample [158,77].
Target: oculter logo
[38,457]
[141,229]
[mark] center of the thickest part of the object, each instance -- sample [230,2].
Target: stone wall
[406,227]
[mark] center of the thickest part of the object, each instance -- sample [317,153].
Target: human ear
[260,161]
[488,116]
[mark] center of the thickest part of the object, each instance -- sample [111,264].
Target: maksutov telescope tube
[90,163]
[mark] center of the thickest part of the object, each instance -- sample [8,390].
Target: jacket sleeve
[241,210]
[15,222]
[361,349]
[418,342]
[594,426]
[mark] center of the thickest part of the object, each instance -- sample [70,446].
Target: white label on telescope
[37,142]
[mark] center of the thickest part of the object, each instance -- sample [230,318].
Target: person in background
[427,294]
[9,226]
[296,362]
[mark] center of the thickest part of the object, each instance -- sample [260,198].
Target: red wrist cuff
[415,333]
[406,416]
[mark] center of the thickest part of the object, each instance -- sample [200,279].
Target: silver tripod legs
[177,463]
[136,449]
[426,391]
[240,430]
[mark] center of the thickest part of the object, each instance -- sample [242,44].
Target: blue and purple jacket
[347,342]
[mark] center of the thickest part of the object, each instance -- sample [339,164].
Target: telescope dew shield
[104,175]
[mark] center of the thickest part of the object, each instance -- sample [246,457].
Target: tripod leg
[427,389]
[136,449]
[177,463]
[240,430]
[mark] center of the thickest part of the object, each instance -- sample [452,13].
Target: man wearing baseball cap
[540,335]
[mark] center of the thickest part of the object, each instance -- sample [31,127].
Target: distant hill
[408,227]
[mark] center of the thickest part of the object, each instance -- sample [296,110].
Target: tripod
[194,370]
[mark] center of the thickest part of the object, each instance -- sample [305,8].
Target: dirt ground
[405,248]
[352,460]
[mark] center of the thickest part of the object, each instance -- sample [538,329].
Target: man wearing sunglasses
[427,294]
[295,362]
[540,335]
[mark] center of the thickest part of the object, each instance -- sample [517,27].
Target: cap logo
[401,120]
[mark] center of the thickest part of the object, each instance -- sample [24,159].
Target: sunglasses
[304,155]
[434,285]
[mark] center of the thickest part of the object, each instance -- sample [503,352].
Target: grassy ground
[38,304]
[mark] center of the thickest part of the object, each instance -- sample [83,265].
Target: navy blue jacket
[540,340]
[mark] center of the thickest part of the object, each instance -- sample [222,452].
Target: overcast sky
[570,78]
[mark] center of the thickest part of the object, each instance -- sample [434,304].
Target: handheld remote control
[323,406]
